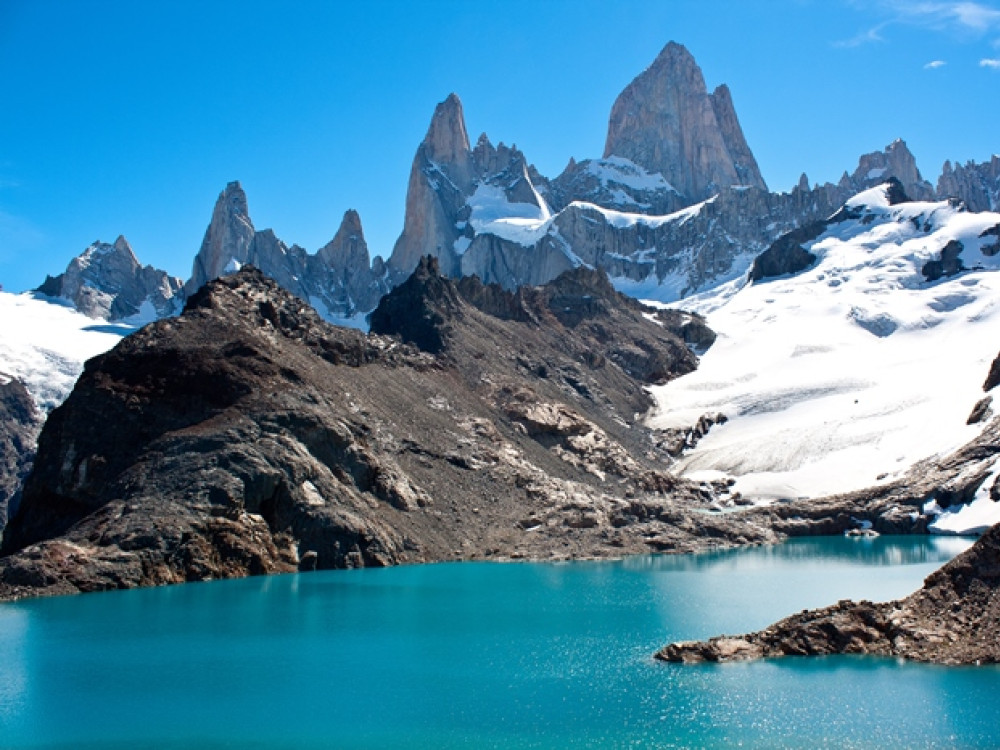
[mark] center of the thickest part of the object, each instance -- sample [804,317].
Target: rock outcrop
[978,185]
[107,282]
[666,122]
[247,436]
[953,619]
[477,210]
[340,280]
[20,423]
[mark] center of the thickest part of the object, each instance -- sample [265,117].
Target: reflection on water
[481,655]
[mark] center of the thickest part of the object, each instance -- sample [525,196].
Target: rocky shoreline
[953,619]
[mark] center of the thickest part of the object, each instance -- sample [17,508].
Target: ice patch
[971,519]
[492,213]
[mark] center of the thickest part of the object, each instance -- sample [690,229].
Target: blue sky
[130,117]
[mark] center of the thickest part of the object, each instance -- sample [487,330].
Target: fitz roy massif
[649,352]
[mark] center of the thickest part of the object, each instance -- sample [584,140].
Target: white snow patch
[492,213]
[358,320]
[973,518]
[623,219]
[44,343]
[620,171]
[847,373]
[232,266]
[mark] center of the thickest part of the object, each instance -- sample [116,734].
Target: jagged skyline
[130,121]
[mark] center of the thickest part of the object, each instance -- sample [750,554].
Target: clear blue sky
[130,117]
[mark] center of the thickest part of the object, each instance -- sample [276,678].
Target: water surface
[474,655]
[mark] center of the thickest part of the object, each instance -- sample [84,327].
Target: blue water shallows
[476,655]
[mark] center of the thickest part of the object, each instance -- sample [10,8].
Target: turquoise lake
[479,655]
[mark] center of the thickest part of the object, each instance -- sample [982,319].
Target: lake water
[478,655]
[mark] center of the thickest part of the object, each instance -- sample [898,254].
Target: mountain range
[512,398]
[675,205]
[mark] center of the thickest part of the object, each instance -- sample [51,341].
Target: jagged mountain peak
[895,161]
[418,310]
[447,141]
[107,282]
[227,240]
[667,122]
[348,246]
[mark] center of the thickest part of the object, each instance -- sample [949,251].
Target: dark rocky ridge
[953,619]
[247,437]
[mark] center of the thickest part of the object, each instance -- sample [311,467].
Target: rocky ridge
[108,283]
[340,280]
[676,205]
[247,436]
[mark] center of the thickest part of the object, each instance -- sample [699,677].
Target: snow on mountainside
[44,344]
[849,372]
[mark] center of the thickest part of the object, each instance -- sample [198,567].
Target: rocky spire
[665,121]
[976,184]
[227,240]
[447,142]
[348,248]
[440,181]
[732,135]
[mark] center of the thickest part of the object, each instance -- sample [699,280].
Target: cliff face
[20,423]
[247,436]
[667,122]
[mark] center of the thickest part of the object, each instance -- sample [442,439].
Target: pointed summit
[447,141]
[895,161]
[227,240]
[348,248]
[665,121]
[440,179]
[107,282]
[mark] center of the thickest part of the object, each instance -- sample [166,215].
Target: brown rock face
[247,437]
[953,619]
[667,122]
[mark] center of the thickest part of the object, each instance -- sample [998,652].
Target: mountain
[108,283]
[477,211]
[952,619]
[675,206]
[247,436]
[666,122]
[340,280]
